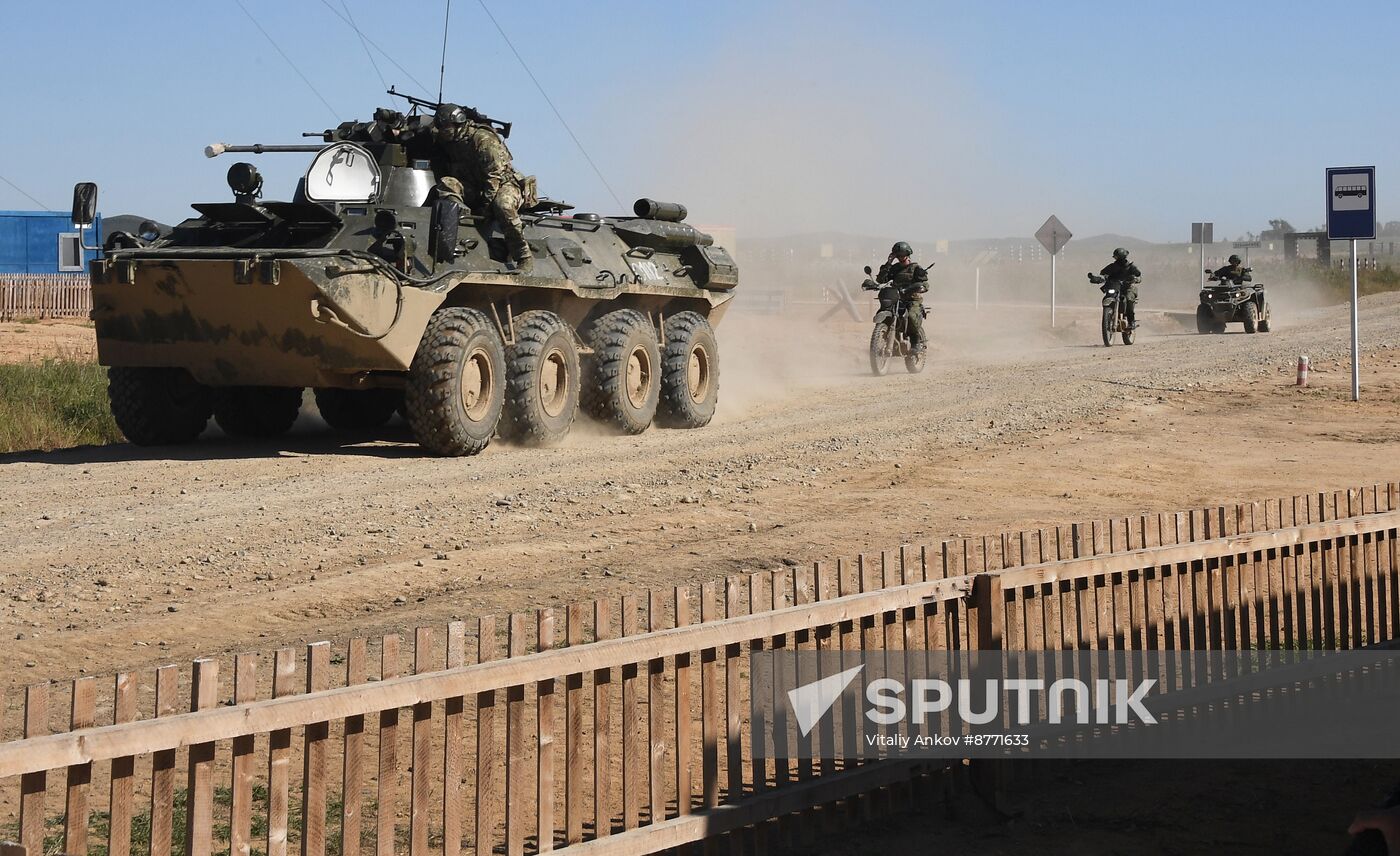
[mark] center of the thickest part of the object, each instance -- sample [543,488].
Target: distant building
[43,242]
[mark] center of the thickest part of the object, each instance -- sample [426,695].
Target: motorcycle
[1115,320]
[891,336]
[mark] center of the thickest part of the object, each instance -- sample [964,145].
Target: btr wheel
[1250,317]
[158,406]
[622,384]
[689,372]
[357,409]
[542,380]
[456,384]
[256,411]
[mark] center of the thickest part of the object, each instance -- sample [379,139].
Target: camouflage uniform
[476,156]
[911,282]
[1234,273]
[1126,275]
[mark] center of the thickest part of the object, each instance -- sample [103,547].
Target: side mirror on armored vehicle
[84,203]
[867,270]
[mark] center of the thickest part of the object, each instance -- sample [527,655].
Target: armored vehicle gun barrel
[215,149]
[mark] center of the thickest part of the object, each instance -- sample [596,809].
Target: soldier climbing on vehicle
[1126,276]
[474,153]
[907,281]
[1233,272]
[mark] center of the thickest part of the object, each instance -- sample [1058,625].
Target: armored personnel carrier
[370,290]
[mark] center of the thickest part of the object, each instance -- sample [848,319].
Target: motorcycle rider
[1126,276]
[903,279]
[1233,272]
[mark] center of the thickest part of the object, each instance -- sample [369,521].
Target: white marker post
[1053,235]
[1351,216]
[1202,233]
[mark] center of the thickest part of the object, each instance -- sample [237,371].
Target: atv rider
[1233,272]
[904,280]
[1126,276]
[473,152]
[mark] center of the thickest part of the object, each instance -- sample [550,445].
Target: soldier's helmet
[1234,260]
[1120,254]
[450,114]
[901,250]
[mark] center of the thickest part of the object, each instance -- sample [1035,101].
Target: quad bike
[1115,320]
[1228,301]
[891,336]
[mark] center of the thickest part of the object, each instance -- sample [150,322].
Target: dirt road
[117,557]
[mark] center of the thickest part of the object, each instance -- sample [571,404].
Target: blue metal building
[43,242]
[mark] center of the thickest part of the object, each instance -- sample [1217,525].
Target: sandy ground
[45,339]
[119,557]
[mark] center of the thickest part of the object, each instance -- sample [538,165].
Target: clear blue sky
[930,120]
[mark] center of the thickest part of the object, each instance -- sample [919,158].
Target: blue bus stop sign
[1351,203]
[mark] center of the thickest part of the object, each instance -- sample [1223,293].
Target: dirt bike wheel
[880,349]
[1251,317]
[1108,319]
[1128,335]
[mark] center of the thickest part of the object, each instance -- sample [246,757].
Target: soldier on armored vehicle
[472,152]
[382,294]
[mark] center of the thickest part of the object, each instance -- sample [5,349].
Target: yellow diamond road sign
[1053,235]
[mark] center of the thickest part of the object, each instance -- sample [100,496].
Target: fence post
[987,624]
[990,609]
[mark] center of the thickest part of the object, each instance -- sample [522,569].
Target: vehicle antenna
[442,69]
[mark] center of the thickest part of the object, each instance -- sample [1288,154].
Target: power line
[25,193]
[364,44]
[373,44]
[279,50]
[557,114]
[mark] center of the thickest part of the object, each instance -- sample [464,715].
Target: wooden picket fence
[623,725]
[44,296]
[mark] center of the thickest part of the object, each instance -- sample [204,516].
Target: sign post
[1203,233]
[1246,246]
[1351,216]
[1053,236]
